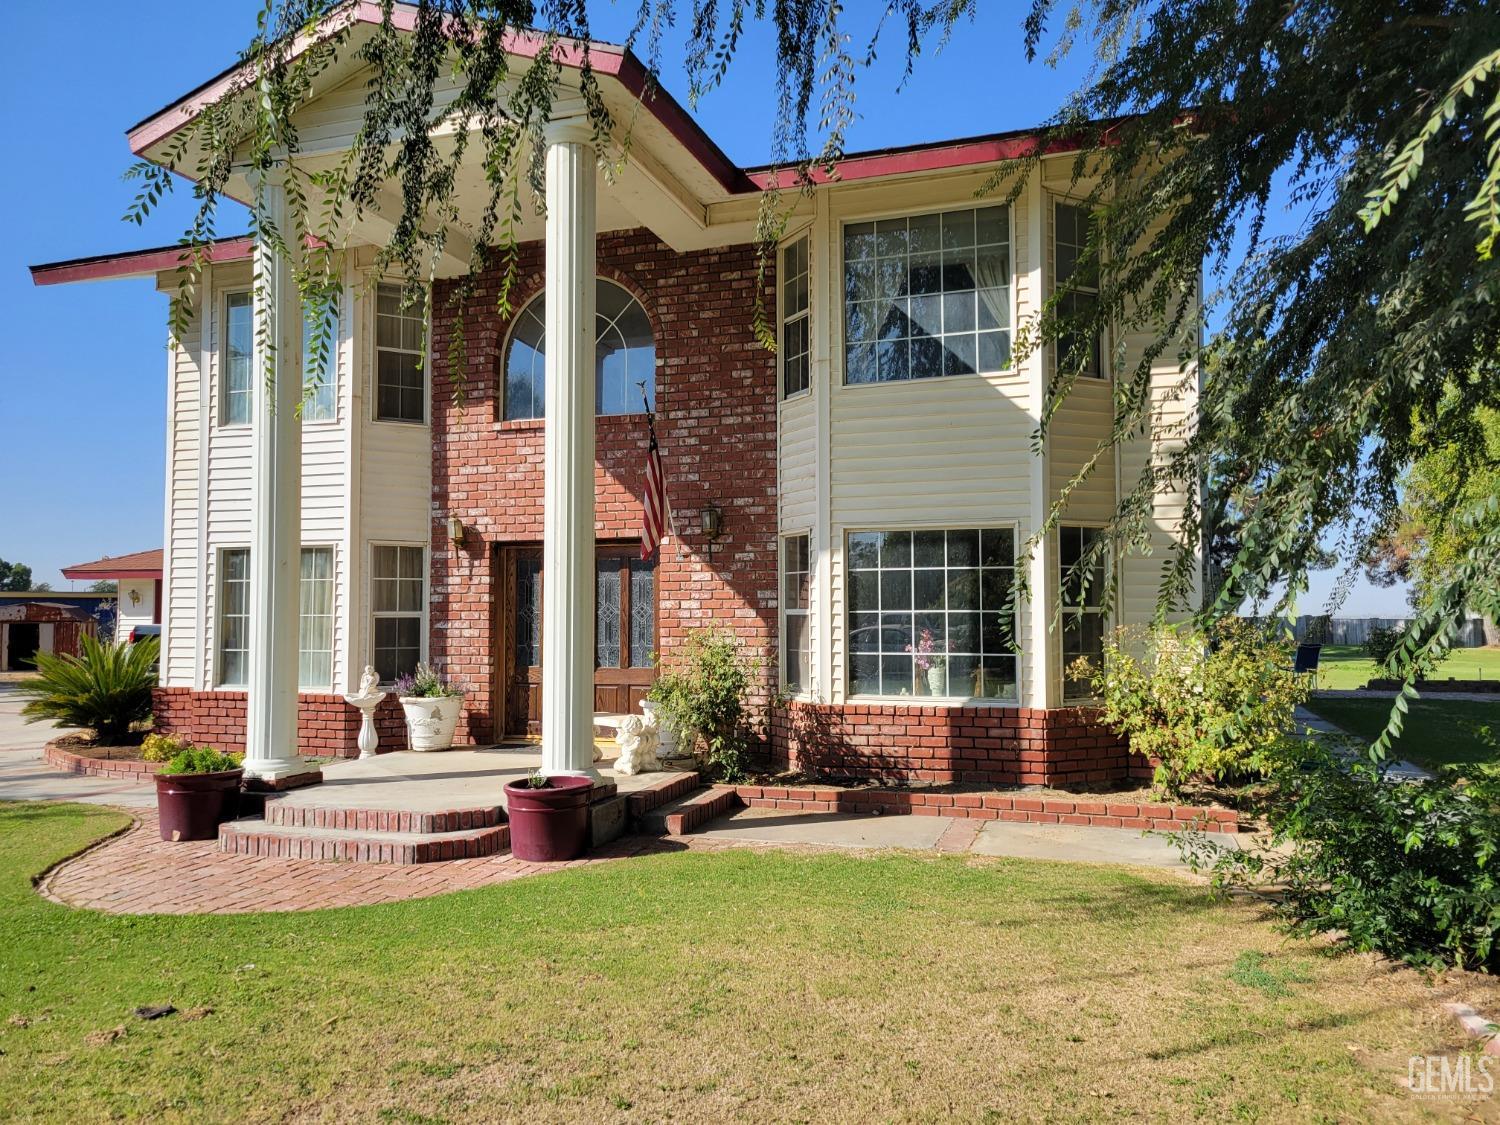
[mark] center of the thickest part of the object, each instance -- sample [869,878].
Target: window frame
[222,419]
[424,354]
[849,695]
[333,616]
[335,363]
[802,316]
[807,690]
[502,389]
[1102,372]
[220,571]
[967,203]
[373,614]
[1107,615]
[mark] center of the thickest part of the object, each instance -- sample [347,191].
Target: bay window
[930,613]
[397,596]
[794,318]
[400,374]
[1081,580]
[234,617]
[237,359]
[1077,274]
[796,637]
[320,351]
[314,618]
[927,296]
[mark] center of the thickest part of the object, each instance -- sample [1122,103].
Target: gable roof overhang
[141,564]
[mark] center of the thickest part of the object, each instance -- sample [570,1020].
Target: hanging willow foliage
[1338,343]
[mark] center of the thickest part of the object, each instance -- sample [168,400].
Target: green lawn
[1436,732]
[1342,667]
[704,986]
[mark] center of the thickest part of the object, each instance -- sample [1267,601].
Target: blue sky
[83,399]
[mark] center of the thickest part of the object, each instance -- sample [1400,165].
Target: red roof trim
[136,263]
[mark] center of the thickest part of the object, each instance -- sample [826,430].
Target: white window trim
[372,333]
[1106,374]
[841,537]
[806,691]
[218,617]
[1111,573]
[370,596]
[838,379]
[806,315]
[336,357]
[221,392]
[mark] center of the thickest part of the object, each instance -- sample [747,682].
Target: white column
[568,518]
[275,505]
[1042,641]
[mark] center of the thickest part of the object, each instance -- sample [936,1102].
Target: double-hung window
[794,318]
[927,296]
[237,383]
[320,352]
[932,613]
[314,618]
[796,638]
[397,594]
[1081,580]
[400,375]
[1077,272]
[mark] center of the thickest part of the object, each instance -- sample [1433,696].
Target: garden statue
[637,740]
[367,699]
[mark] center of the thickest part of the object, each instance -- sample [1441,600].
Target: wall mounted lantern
[456,531]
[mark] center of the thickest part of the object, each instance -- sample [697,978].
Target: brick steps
[256,837]
[689,813]
[288,815]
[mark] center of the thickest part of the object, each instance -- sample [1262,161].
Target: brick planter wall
[123,769]
[1021,807]
[326,725]
[1009,746]
[716,419]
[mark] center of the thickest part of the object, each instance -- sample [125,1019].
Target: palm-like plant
[106,689]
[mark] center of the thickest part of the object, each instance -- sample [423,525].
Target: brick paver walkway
[138,873]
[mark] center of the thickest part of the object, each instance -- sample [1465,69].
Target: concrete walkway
[1400,770]
[25,777]
[953,836]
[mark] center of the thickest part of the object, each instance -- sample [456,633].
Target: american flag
[656,509]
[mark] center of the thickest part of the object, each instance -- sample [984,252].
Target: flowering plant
[426,682]
[926,652]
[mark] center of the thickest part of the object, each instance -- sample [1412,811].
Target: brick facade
[326,725]
[716,420]
[972,745]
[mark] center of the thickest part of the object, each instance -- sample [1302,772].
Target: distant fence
[1356,630]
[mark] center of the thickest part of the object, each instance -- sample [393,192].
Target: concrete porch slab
[842,830]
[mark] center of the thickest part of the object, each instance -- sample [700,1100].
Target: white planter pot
[666,748]
[431,720]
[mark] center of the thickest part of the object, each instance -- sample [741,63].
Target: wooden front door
[624,633]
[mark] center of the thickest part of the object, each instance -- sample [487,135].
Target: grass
[1344,667]
[1436,733]
[704,986]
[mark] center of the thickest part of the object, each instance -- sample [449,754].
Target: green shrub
[1216,705]
[163,747]
[1405,870]
[1381,643]
[107,688]
[201,759]
[704,694]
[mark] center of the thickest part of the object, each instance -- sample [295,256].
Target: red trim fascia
[137,263]
[76,574]
[926,158]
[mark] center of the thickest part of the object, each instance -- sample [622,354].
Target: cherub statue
[369,683]
[637,740]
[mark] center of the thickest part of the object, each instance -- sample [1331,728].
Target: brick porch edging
[986,806]
[120,769]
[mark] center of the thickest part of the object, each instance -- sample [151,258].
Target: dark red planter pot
[552,824]
[191,806]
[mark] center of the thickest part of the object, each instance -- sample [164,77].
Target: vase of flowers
[432,703]
[932,664]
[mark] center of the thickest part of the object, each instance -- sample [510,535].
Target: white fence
[1356,630]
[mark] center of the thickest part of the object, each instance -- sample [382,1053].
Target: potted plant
[432,703]
[549,817]
[198,790]
[931,664]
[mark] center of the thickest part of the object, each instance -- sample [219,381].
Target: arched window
[624,356]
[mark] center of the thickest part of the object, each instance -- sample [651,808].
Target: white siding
[182,571]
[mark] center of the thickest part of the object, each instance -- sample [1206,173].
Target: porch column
[275,505]
[568,517]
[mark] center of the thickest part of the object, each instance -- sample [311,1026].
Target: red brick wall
[716,419]
[981,745]
[326,725]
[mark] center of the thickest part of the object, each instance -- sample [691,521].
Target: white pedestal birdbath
[367,699]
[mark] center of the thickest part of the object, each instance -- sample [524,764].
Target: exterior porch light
[711,521]
[456,530]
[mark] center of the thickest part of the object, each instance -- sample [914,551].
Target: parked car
[140,632]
